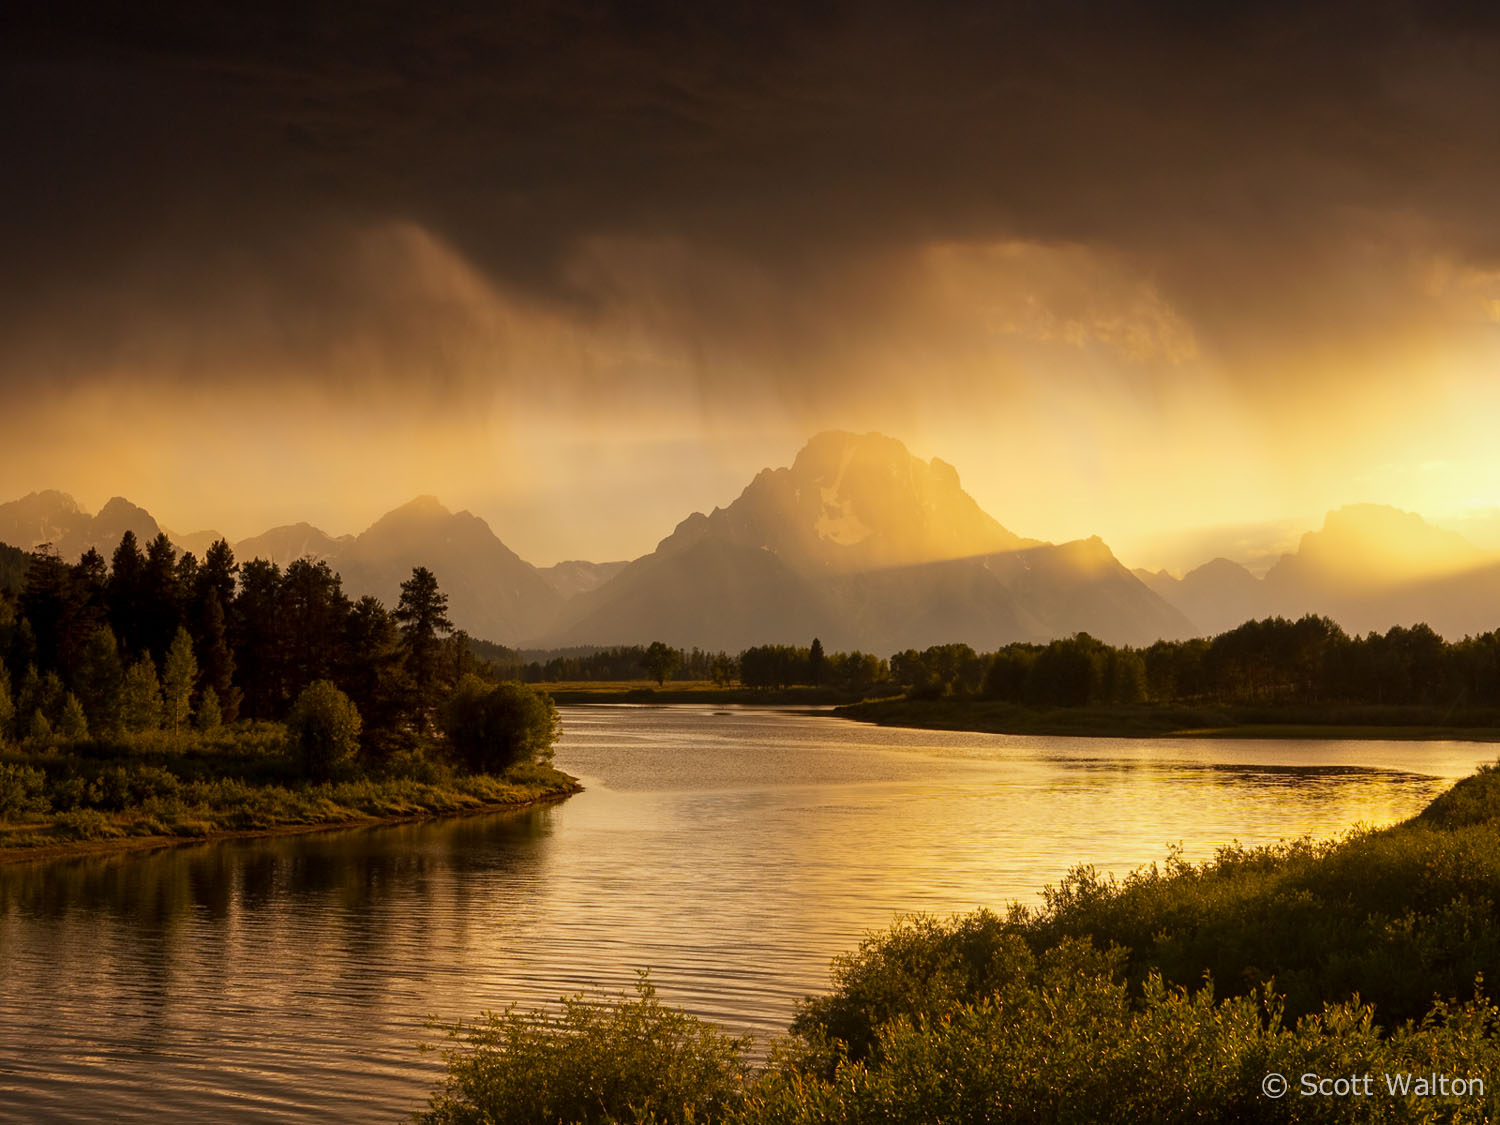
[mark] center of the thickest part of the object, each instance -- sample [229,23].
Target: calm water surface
[731,851]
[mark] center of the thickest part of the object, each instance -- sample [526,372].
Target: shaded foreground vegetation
[1165,996]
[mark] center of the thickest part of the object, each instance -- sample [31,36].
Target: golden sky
[1184,285]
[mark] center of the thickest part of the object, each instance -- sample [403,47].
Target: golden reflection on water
[731,853]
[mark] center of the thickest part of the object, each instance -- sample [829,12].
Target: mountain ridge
[861,543]
[866,546]
[1369,567]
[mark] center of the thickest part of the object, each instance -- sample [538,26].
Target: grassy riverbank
[1171,996]
[1165,721]
[692,691]
[151,789]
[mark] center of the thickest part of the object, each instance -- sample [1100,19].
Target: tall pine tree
[423,615]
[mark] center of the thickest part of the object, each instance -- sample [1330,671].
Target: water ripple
[733,854]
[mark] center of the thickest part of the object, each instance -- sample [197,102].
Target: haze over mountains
[1369,567]
[865,546]
[861,544]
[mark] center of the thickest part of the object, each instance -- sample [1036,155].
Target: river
[730,851]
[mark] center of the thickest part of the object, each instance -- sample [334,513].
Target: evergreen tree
[52,693]
[255,640]
[311,612]
[40,730]
[215,658]
[423,615]
[127,610]
[185,578]
[209,717]
[457,661]
[100,677]
[815,663]
[163,600]
[140,699]
[374,676]
[73,725]
[92,575]
[178,677]
[216,575]
[57,605]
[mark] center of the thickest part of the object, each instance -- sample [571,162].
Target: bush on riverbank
[1166,996]
[626,1059]
[1076,1044]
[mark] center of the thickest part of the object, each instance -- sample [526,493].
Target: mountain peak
[426,504]
[491,591]
[867,546]
[826,454]
[852,502]
[49,499]
[55,517]
[1374,544]
[117,506]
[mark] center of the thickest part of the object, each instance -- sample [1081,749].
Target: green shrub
[209,716]
[73,791]
[493,727]
[1076,1047]
[22,792]
[620,1060]
[324,727]
[921,968]
[126,787]
[1474,800]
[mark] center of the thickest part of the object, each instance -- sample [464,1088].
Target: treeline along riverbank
[159,697]
[1271,677]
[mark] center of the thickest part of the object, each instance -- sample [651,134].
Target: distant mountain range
[1369,567]
[55,518]
[865,546]
[861,544]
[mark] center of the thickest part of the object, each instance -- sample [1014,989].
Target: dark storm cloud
[171,166]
